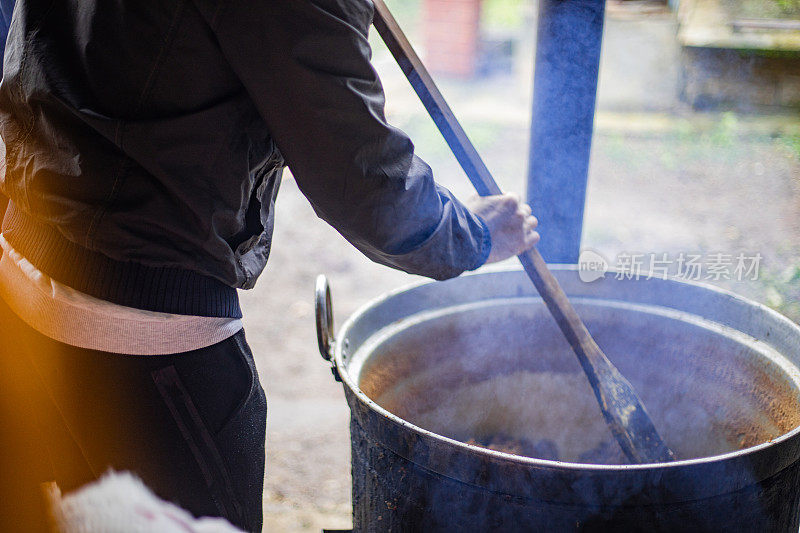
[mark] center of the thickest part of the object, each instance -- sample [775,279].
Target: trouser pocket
[200,441]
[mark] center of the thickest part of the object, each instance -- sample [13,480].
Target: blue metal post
[569,36]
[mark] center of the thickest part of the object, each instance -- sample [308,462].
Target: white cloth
[78,319]
[120,503]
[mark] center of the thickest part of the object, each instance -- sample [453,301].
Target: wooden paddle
[622,409]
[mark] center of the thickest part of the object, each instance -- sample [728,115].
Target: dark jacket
[146,138]
[6,9]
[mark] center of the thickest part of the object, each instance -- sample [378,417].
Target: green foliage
[782,290]
[505,14]
[405,11]
[792,144]
[763,8]
[724,132]
[788,6]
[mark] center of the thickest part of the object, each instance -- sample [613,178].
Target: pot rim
[533,461]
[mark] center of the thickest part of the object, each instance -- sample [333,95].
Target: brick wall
[451,33]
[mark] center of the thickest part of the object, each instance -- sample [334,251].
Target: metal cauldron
[428,367]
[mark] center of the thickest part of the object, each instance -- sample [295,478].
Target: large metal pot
[427,367]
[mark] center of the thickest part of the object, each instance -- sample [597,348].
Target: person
[145,143]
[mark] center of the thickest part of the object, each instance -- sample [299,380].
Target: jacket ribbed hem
[161,289]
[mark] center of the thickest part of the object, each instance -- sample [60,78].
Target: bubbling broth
[512,384]
[531,414]
[554,416]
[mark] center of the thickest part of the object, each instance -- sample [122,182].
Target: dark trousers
[191,425]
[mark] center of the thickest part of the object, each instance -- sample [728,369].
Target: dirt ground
[662,179]
[307,485]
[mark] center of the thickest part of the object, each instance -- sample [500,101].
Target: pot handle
[324,311]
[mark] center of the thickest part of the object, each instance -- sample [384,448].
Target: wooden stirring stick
[621,407]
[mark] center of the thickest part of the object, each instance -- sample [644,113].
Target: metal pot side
[424,367]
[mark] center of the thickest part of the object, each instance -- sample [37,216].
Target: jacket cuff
[486,244]
[460,242]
